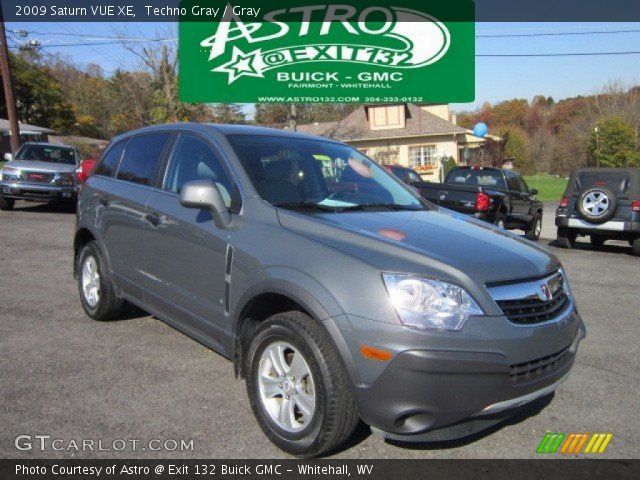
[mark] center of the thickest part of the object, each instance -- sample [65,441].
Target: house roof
[355,126]
[4,127]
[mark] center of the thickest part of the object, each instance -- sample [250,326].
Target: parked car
[406,174]
[494,195]
[603,203]
[335,290]
[84,170]
[41,172]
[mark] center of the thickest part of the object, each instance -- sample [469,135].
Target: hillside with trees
[548,137]
[541,136]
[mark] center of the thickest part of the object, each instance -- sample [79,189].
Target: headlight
[425,303]
[565,283]
[8,172]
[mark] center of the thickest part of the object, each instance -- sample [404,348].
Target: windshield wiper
[391,206]
[308,205]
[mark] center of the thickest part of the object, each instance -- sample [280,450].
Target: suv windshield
[296,172]
[47,153]
[476,178]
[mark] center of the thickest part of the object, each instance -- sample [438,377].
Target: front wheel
[297,387]
[7,203]
[534,229]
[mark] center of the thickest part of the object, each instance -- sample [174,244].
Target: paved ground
[67,376]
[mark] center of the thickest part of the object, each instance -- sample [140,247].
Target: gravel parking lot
[67,376]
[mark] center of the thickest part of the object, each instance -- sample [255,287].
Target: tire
[566,238]
[597,240]
[334,415]
[636,246]
[535,228]
[597,204]
[106,305]
[7,203]
[499,221]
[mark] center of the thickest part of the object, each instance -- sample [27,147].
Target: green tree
[228,113]
[615,144]
[516,147]
[40,99]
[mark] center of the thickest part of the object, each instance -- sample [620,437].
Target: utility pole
[8,88]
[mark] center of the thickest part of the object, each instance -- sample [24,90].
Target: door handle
[153,218]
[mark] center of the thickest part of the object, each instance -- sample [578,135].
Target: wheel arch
[83,236]
[273,296]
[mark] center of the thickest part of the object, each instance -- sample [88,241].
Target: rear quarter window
[107,166]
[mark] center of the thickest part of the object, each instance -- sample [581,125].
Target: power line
[100,37]
[562,54]
[555,34]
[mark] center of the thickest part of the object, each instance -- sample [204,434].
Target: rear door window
[141,158]
[512,182]
[109,162]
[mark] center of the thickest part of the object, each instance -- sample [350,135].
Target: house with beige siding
[422,137]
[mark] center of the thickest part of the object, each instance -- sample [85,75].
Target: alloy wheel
[596,203]
[91,281]
[287,389]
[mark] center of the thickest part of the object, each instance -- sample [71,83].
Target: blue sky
[496,78]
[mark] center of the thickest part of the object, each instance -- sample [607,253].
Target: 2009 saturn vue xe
[338,293]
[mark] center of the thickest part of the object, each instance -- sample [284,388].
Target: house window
[424,155]
[392,116]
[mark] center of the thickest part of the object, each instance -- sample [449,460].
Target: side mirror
[533,191]
[204,195]
[8,157]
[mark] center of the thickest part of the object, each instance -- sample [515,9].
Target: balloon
[480,130]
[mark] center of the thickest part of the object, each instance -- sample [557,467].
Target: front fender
[298,285]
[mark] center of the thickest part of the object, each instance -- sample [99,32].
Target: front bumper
[35,191]
[448,392]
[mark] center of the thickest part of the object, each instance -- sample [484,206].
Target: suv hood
[426,242]
[37,166]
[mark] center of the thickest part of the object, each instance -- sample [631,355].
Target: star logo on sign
[241,65]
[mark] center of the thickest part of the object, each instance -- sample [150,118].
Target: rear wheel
[566,238]
[500,221]
[535,228]
[636,246]
[297,387]
[7,203]
[97,292]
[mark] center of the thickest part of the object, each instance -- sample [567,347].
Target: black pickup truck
[494,195]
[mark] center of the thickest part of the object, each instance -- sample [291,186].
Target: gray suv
[335,290]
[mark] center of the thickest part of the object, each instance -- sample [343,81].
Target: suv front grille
[37,177]
[523,372]
[533,310]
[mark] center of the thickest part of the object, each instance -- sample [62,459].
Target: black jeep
[603,203]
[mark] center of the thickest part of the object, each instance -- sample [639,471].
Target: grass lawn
[550,188]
